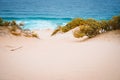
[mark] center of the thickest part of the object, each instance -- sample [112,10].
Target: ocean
[42,14]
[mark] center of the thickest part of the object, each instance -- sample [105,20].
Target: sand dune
[61,57]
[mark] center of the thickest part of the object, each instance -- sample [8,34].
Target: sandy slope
[60,57]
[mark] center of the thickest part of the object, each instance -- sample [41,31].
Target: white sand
[61,57]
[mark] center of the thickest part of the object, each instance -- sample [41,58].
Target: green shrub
[90,27]
[1,22]
[77,33]
[16,28]
[104,25]
[56,30]
[34,35]
[115,22]
[6,23]
[74,23]
[85,30]
[93,23]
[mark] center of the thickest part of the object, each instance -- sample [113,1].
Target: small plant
[56,30]
[85,30]
[34,35]
[115,22]
[71,25]
[16,33]
[104,26]
[74,23]
[1,22]
[77,33]
[16,29]
[6,23]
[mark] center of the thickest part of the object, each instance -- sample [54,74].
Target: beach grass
[16,29]
[89,27]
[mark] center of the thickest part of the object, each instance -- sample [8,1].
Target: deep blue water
[38,14]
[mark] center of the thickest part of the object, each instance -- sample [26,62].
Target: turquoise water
[39,14]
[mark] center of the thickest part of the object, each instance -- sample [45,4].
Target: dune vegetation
[89,27]
[16,29]
[82,27]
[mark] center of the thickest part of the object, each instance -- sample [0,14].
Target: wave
[39,22]
[36,18]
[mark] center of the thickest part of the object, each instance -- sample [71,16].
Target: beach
[60,57]
[59,39]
